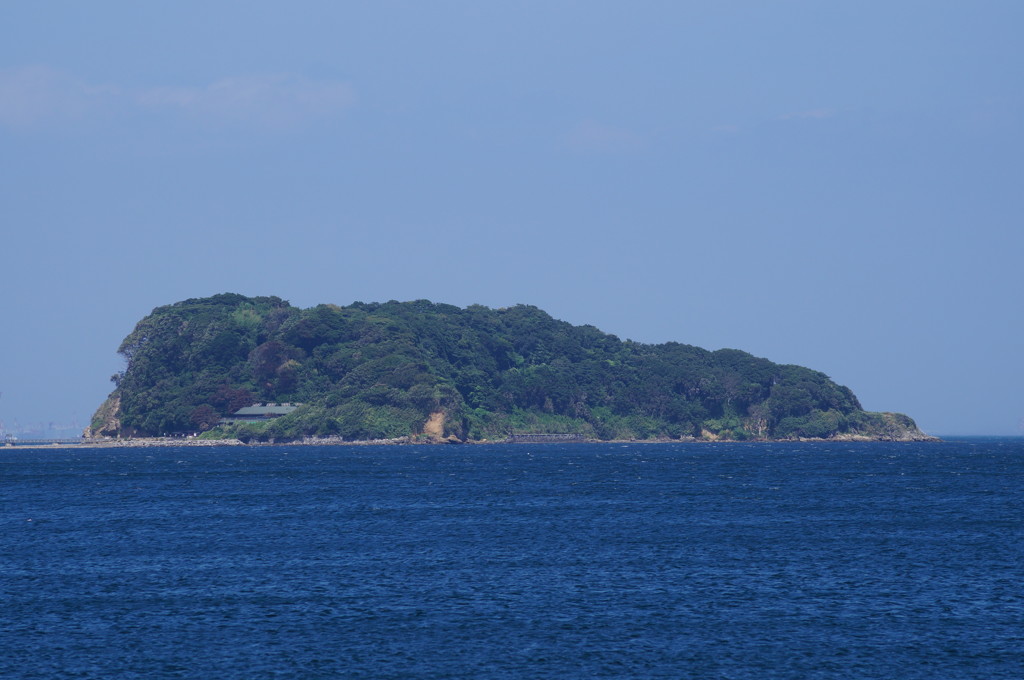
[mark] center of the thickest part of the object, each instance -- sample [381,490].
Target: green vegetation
[369,371]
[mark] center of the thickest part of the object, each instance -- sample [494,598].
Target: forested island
[421,371]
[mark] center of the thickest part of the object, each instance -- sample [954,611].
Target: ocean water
[797,560]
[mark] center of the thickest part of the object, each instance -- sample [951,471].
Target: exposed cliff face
[106,422]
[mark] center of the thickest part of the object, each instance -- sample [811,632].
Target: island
[257,369]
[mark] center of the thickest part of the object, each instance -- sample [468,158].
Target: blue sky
[837,185]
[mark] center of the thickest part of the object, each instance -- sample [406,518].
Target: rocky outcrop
[897,427]
[106,421]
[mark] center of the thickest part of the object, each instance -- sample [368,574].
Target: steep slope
[405,368]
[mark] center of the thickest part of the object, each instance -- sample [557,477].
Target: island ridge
[423,371]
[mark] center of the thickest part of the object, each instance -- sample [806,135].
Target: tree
[204,417]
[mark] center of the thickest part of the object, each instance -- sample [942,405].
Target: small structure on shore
[259,412]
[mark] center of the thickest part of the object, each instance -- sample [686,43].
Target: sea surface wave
[738,561]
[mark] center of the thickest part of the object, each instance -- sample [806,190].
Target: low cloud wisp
[38,95]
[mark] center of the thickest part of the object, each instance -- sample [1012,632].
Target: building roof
[266,410]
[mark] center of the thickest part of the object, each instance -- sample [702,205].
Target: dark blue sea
[738,561]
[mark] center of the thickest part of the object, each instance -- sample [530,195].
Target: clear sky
[833,184]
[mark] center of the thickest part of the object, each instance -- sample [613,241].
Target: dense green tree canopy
[384,369]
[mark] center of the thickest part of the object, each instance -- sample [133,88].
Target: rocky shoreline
[143,442]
